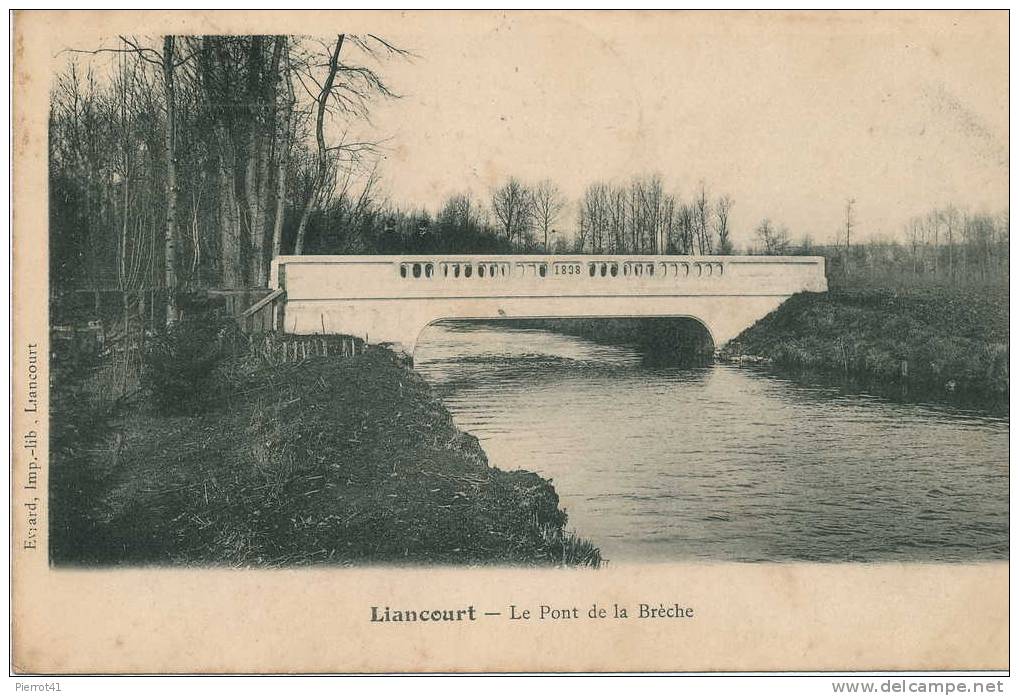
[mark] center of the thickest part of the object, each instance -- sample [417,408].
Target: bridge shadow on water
[659,341]
[516,355]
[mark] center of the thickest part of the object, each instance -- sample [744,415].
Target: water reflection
[722,463]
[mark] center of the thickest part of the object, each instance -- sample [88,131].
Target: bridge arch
[410,345]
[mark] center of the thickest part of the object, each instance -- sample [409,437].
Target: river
[722,463]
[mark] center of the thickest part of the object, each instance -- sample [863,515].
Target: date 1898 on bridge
[567,269]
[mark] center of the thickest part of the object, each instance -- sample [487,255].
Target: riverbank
[326,461]
[950,342]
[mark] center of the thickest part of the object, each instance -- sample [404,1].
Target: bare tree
[262,137]
[238,78]
[547,202]
[650,193]
[511,205]
[318,187]
[934,223]
[685,227]
[618,218]
[285,147]
[635,216]
[950,216]
[170,260]
[915,242]
[346,89]
[850,222]
[669,224]
[701,213]
[722,209]
[806,244]
[595,216]
[166,61]
[773,240]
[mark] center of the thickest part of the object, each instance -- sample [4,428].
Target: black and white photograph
[524,291]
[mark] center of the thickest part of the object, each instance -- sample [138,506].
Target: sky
[791,114]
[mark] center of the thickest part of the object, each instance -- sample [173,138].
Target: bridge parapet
[311,277]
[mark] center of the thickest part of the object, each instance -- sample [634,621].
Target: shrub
[567,549]
[179,364]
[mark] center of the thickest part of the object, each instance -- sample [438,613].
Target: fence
[252,308]
[279,349]
[103,357]
[104,366]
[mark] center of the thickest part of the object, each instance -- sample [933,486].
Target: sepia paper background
[747,616]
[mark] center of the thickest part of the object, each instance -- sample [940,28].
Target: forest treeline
[943,247]
[638,217]
[189,162]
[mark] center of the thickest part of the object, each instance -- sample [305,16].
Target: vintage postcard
[510,341]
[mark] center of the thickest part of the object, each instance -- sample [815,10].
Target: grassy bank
[938,339]
[328,461]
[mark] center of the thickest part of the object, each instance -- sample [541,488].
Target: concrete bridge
[391,299]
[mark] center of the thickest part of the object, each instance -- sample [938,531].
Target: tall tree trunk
[253,151]
[256,170]
[284,161]
[170,259]
[320,179]
[266,127]
[302,226]
[230,233]
[213,60]
[281,193]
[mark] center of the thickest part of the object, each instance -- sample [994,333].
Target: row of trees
[522,211]
[952,244]
[637,217]
[192,161]
[641,217]
[945,246]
